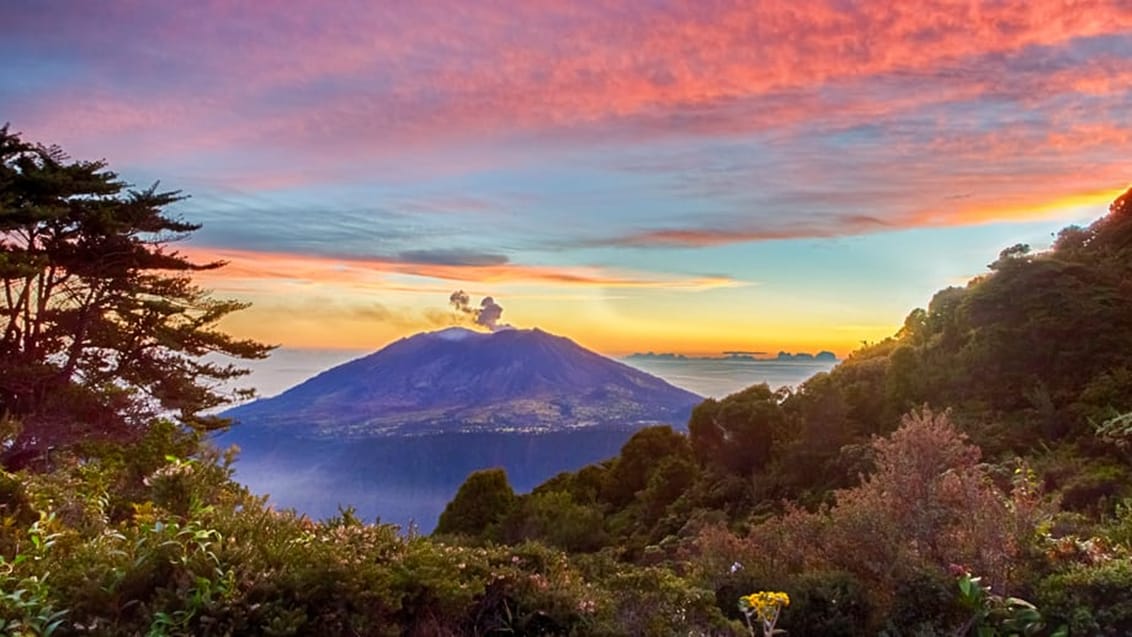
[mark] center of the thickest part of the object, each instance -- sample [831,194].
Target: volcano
[395,433]
[459,380]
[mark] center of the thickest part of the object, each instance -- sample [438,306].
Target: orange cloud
[1021,210]
[1023,204]
[704,237]
[264,266]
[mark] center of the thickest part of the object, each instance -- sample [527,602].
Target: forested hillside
[1030,360]
[1025,375]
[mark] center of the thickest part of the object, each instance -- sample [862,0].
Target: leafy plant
[26,605]
[994,615]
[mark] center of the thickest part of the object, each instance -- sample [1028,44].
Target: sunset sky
[673,176]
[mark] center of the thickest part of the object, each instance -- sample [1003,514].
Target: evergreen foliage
[482,501]
[101,326]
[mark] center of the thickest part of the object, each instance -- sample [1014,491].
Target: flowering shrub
[930,502]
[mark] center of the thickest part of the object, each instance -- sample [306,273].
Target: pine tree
[101,327]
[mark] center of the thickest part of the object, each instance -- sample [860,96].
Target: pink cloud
[273,98]
[398,75]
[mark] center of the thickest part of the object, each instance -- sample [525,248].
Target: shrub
[656,602]
[553,517]
[483,500]
[924,603]
[1095,487]
[1090,599]
[826,603]
[197,555]
[928,504]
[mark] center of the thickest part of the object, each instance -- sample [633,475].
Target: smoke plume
[459,300]
[487,314]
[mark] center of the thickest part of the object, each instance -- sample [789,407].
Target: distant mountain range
[823,356]
[396,432]
[459,380]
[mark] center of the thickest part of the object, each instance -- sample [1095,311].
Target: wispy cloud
[701,236]
[244,266]
[970,212]
[457,258]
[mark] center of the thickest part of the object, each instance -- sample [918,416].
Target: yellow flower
[765,607]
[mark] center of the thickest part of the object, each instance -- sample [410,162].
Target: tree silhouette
[101,327]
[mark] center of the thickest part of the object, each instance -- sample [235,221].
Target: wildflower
[763,607]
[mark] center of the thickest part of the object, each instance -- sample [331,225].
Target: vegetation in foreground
[139,543]
[930,485]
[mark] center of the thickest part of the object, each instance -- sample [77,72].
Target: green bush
[826,603]
[924,603]
[1094,488]
[1090,599]
[553,517]
[656,602]
[482,501]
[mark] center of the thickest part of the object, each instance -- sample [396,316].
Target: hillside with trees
[928,485]
[1032,360]
[1022,381]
